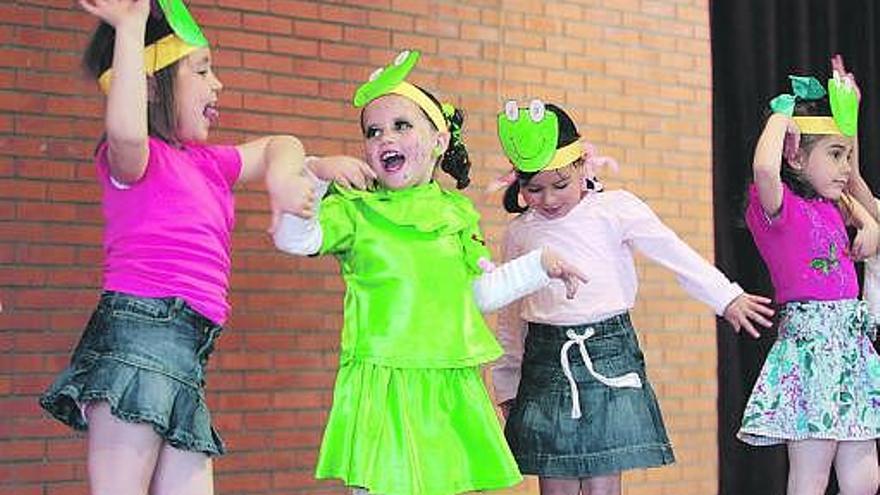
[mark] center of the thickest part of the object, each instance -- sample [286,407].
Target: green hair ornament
[528,135]
[842,97]
[844,101]
[383,80]
[804,88]
[182,22]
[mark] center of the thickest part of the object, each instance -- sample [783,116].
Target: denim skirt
[584,406]
[146,358]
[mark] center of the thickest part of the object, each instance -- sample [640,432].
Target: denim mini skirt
[584,406]
[146,358]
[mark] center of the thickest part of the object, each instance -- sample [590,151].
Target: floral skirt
[414,431]
[821,379]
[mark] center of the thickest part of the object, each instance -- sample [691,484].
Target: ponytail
[455,161]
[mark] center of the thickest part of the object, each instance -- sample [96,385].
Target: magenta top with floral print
[805,248]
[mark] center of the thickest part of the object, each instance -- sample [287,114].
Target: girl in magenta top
[136,378]
[819,389]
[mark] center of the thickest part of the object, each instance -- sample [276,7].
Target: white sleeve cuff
[510,281]
[732,291]
[301,236]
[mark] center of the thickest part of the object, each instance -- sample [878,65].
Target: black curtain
[755,45]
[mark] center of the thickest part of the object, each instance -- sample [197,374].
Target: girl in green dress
[410,414]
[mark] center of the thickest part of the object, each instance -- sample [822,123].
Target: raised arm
[868,236]
[767,162]
[858,188]
[126,113]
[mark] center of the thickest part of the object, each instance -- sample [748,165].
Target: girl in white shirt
[578,418]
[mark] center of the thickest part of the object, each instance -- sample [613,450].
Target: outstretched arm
[279,161]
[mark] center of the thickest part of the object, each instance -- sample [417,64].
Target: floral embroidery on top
[827,264]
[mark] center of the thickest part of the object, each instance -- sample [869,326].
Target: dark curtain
[755,45]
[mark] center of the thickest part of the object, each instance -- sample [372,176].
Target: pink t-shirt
[168,234]
[805,248]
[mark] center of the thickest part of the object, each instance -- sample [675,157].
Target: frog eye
[511,110]
[401,57]
[536,110]
[376,73]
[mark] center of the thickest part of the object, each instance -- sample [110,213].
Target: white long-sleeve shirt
[598,236]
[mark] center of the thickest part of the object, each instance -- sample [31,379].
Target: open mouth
[211,113]
[392,161]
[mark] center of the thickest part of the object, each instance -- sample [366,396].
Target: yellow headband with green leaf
[186,38]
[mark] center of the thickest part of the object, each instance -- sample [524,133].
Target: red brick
[291,66]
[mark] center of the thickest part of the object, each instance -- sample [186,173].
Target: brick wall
[634,74]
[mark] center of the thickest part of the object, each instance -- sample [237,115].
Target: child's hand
[294,195]
[745,309]
[792,140]
[866,241]
[505,408]
[118,12]
[838,67]
[558,268]
[344,170]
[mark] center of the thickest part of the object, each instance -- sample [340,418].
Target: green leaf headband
[842,97]
[186,38]
[391,79]
[529,136]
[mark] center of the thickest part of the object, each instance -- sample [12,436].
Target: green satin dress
[411,415]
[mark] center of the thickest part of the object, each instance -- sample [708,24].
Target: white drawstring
[630,379]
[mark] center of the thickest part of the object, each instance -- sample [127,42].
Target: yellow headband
[157,56]
[419,97]
[817,125]
[565,156]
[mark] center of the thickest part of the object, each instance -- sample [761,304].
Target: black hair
[161,112]
[791,176]
[568,134]
[455,160]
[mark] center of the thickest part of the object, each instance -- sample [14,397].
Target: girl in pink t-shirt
[819,389]
[136,379]
[572,382]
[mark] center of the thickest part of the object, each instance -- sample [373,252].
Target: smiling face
[400,143]
[196,88]
[827,165]
[528,136]
[553,193]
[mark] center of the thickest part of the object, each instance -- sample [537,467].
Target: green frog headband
[391,80]
[529,136]
[842,96]
[186,38]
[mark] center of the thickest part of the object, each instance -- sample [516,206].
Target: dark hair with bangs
[161,111]
[790,176]
[568,134]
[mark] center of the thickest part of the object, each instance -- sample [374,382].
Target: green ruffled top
[409,258]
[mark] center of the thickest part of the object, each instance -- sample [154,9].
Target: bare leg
[181,472]
[602,485]
[856,467]
[121,456]
[559,486]
[809,466]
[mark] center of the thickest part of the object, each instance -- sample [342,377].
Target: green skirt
[414,431]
